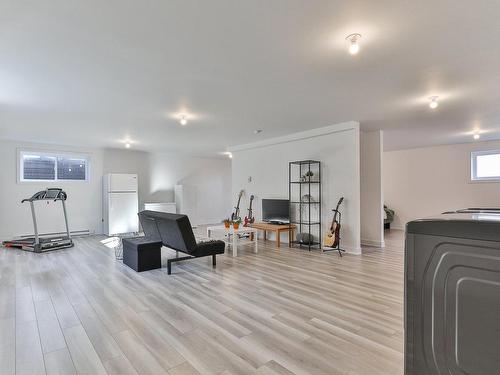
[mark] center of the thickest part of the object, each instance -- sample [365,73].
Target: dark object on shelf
[306,200]
[142,253]
[452,282]
[305,238]
[175,232]
[389,217]
[307,176]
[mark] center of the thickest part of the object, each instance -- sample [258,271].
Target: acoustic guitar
[236,214]
[332,237]
[249,219]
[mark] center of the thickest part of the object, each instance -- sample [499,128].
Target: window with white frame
[485,165]
[48,166]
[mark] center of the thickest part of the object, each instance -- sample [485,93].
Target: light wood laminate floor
[281,311]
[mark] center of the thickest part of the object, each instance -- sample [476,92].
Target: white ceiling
[98,73]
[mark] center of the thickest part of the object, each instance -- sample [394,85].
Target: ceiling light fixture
[354,43]
[476,136]
[183,120]
[127,145]
[433,103]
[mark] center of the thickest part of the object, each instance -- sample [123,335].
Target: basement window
[485,165]
[45,166]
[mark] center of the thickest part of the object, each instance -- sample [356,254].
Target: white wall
[157,176]
[337,147]
[372,200]
[211,179]
[84,198]
[422,182]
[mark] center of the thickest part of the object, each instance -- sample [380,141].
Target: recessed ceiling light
[127,145]
[183,120]
[257,131]
[353,43]
[476,136]
[228,154]
[433,101]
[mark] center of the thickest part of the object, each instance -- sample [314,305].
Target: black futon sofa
[175,232]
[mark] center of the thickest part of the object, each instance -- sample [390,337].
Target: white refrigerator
[120,204]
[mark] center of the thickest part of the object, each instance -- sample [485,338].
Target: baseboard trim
[397,228]
[372,243]
[352,250]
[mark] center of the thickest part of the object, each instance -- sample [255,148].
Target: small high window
[485,165]
[44,166]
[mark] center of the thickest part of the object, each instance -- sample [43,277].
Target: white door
[122,182]
[123,208]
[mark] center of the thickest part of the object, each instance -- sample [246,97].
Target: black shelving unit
[304,181]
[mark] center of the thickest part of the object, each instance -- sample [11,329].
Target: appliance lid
[480,224]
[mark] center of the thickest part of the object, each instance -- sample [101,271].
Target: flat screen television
[276,211]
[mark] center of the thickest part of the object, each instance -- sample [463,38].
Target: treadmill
[39,244]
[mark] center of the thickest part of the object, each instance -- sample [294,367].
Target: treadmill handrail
[43,195]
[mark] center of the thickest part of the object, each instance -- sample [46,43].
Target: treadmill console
[52,193]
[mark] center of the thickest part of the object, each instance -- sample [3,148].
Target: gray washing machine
[452,294]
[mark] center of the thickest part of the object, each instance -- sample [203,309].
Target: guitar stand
[337,248]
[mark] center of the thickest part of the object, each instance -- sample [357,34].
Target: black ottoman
[142,253]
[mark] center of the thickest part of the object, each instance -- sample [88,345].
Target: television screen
[275,210]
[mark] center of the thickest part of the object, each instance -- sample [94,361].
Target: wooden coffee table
[277,229]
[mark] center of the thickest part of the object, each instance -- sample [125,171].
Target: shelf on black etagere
[313,243]
[306,222]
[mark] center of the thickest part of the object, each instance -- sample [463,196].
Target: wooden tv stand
[277,229]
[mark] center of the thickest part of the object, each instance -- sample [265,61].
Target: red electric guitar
[249,219]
